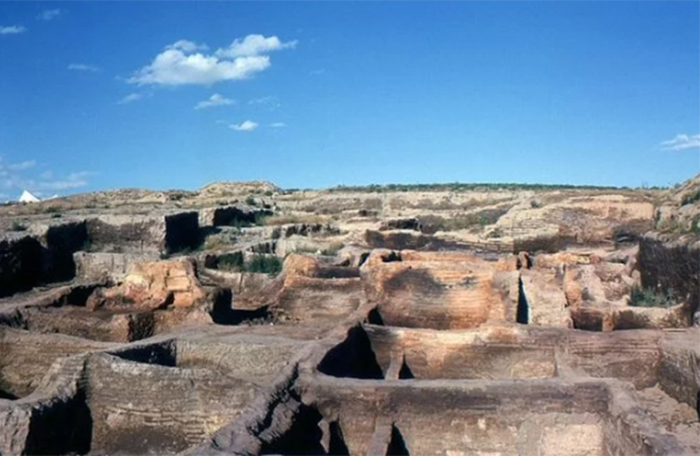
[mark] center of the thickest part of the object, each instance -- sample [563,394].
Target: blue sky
[99,95]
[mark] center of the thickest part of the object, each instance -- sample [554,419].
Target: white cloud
[22,165]
[278,125]
[83,67]
[681,142]
[187,46]
[213,101]
[175,67]
[12,29]
[130,98]
[253,45]
[180,64]
[71,181]
[61,184]
[247,125]
[48,15]
[13,177]
[270,102]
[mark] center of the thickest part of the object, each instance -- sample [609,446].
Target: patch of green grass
[280,219]
[259,263]
[432,223]
[646,297]
[231,262]
[454,187]
[270,265]
[691,198]
[18,226]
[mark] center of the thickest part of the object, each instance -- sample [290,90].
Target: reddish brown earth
[242,319]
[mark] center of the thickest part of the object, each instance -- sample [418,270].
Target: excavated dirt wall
[20,263]
[671,267]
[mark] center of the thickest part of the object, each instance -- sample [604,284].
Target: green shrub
[18,226]
[232,262]
[433,223]
[691,198]
[333,249]
[270,265]
[259,263]
[305,249]
[250,201]
[646,297]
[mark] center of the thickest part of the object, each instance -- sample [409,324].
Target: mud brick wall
[434,355]
[305,298]
[147,418]
[630,356]
[99,326]
[115,232]
[113,266]
[432,295]
[25,358]
[257,361]
[538,418]
[679,370]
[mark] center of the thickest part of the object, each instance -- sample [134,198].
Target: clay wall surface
[143,419]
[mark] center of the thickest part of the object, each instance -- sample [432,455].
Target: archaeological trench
[244,319]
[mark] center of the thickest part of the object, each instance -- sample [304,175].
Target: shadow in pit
[7,395]
[353,358]
[223,314]
[523,310]
[397,445]
[161,354]
[375,318]
[302,438]
[63,427]
[405,372]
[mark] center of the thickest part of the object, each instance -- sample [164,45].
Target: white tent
[28,198]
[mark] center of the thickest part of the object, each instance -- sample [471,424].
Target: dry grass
[284,219]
